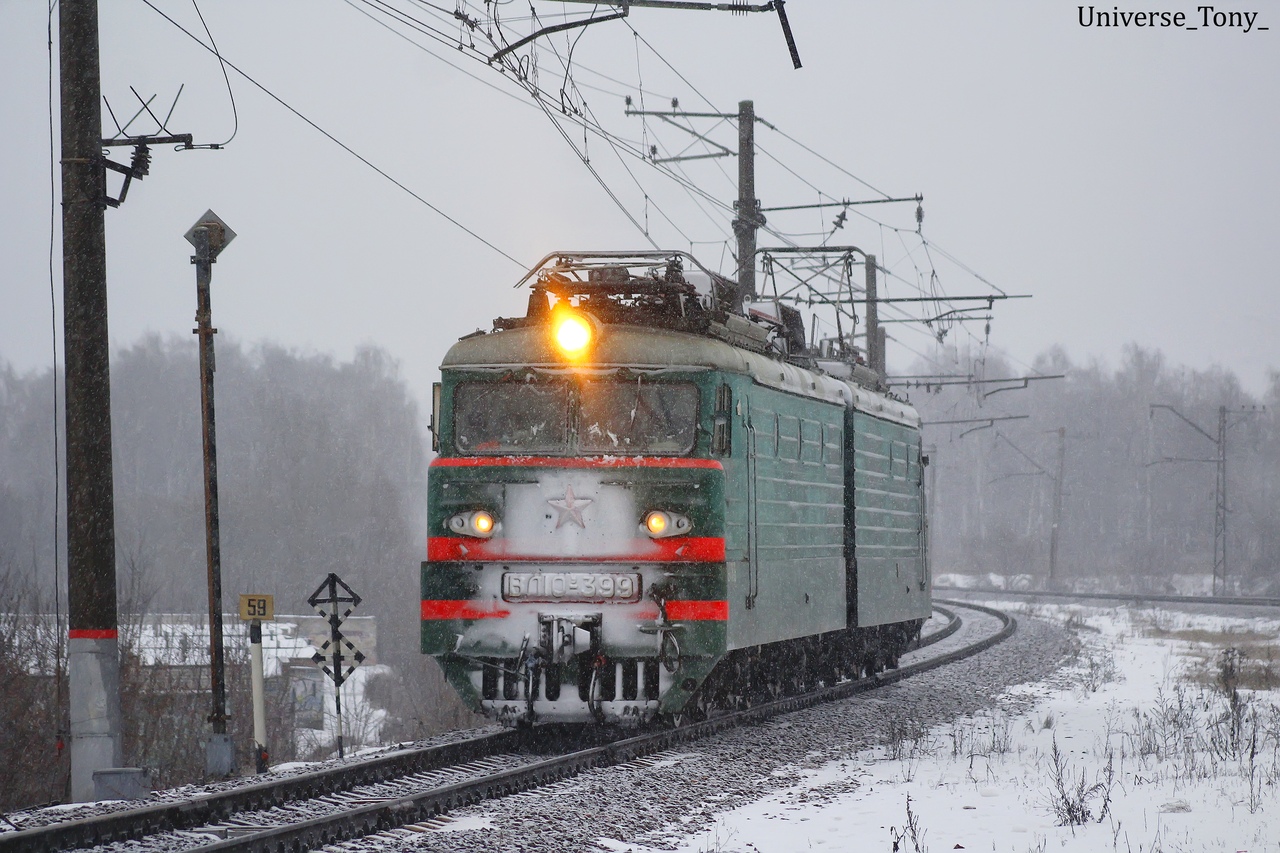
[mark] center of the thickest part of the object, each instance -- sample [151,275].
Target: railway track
[408,787]
[1136,597]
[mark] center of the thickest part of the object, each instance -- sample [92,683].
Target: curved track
[357,799]
[1136,597]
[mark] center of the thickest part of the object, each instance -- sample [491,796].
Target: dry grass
[1259,654]
[1259,667]
[1219,638]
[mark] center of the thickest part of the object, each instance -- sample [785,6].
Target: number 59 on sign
[254,606]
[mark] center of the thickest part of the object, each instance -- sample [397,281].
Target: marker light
[478,523]
[660,524]
[574,334]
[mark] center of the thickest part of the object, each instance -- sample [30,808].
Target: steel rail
[953,625]
[394,813]
[212,808]
[131,824]
[1139,597]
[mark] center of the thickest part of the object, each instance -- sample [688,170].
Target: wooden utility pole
[93,650]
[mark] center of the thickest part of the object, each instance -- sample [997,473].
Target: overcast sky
[1128,178]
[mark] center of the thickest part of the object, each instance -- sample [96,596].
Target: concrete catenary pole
[1220,510]
[93,651]
[875,341]
[1054,531]
[749,217]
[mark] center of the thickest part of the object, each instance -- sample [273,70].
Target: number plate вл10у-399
[579,587]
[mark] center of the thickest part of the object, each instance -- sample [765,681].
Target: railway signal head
[220,234]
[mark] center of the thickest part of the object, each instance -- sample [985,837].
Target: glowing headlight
[574,334]
[660,523]
[477,523]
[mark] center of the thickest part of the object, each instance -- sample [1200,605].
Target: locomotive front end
[576,560]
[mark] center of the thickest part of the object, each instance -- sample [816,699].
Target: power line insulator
[141,163]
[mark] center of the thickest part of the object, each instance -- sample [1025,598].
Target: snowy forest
[1139,483]
[322,468]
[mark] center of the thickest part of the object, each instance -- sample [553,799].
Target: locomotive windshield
[607,416]
[510,417]
[637,417]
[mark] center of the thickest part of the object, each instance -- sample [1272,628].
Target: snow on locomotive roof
[644,348]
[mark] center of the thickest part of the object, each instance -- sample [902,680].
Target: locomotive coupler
[568,636]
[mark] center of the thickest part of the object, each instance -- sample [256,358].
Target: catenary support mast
[749,217]
[875,339]
[1055,531]
[1220,510]
[93,651]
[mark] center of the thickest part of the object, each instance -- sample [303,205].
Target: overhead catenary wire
[830,163]
[649,201]
[545,101]
[334,139]
[768,229]
[235,115]
[535,104]
[483,82]
[568,104]
[586,161]
[722,223]
[53,330]
[676,172]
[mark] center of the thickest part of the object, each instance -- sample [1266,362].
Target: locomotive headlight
[574,333]
[478,523]
[660,523]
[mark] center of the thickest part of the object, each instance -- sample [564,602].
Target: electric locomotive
[651,502]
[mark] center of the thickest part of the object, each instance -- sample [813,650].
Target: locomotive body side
[888,524]
[785,511]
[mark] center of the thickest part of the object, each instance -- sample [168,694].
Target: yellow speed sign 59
[257,606]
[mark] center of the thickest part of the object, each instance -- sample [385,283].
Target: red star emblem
[570,508]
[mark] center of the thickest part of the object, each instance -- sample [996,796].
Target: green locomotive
[649,503]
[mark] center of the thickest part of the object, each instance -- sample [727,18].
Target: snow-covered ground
[1136,737]
[181,642]
[1138,740]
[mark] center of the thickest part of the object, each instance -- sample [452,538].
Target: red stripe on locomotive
[687,549]
[432,610]
[698,611]
[575,462]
